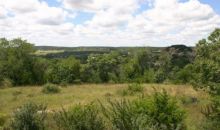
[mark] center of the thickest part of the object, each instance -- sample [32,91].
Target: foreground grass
[191,100]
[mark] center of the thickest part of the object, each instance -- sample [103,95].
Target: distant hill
[82,53]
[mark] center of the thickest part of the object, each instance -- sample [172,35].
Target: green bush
[131,89]
[135,88]
[160,112]
[80,118]
[50,88]
[163,111]
[122,115]
[30,116]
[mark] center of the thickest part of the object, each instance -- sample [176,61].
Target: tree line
[175,64]
[20,66]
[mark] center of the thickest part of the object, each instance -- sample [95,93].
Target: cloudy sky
[109,22]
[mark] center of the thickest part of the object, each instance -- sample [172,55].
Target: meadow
[192,101]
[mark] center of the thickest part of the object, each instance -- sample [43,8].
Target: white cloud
[115,23]
[21,6]
[97,5]
[3,12]
[175,22]
[31,18]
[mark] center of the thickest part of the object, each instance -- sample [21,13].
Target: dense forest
[198,66]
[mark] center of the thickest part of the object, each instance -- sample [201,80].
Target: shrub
[212,114]
[189,100]
[50,88]
[30,116]
[135,88]
[163,111]
[123,116]
[132,89]
[80,118]
[160,76]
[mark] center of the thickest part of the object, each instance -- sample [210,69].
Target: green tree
[207,62]
[103,67]
[16,60]
[64,70]
[207,70]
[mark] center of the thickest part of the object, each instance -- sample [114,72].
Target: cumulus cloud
[30,18]
[181,23]
[114,22]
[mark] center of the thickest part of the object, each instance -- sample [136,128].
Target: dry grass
[11,98]
[45,52]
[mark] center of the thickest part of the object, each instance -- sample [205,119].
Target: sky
[109,22]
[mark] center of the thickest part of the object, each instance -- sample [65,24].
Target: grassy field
[188,98]
[45,52]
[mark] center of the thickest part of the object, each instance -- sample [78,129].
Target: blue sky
[215,4]
[109,22]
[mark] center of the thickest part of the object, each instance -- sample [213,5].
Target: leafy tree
[139,65]
[64,70]
[16,60]
[207,69]
[104,67]
[39,69]
[207,62]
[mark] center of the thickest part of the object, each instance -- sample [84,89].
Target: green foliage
[132,89]
[66,70]
[50,89]
[135,87]
[123,116]
[212,113]
[159,113]
[163,111]
[122,65]
[207,64]
[185,75]
[39,69]
[103,68]
[80,118]
[30,116]
[16,61]
[160,76]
